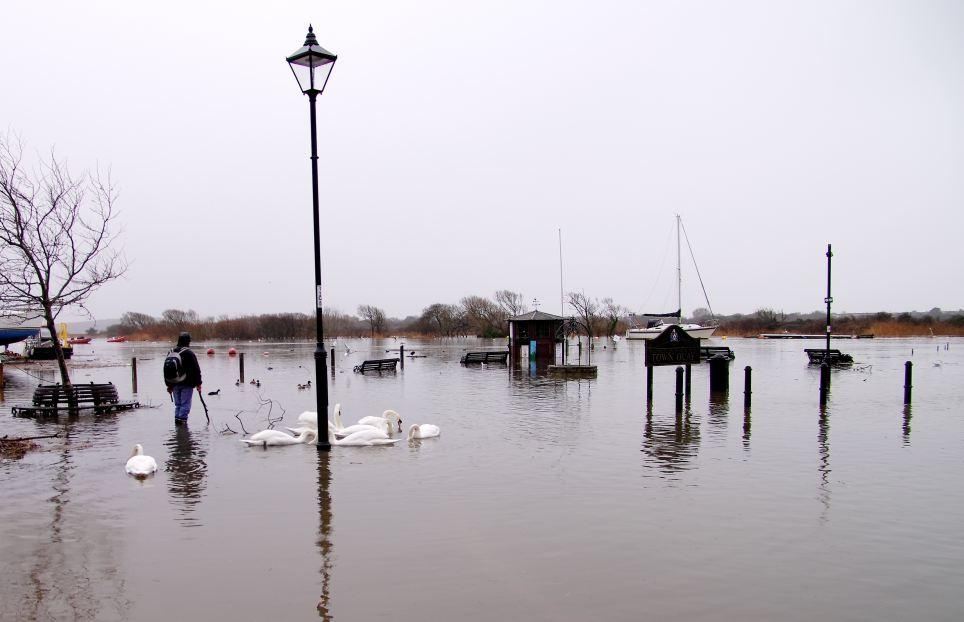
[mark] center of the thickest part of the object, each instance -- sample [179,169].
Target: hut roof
[537,316]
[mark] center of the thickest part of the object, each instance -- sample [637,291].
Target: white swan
[139,465]
[387,416]
[272,438]
[365,438]
[424,430]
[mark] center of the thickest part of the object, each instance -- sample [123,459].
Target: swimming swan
[365,438]
[139,465]
[387,416]
[425,430]
[272,438]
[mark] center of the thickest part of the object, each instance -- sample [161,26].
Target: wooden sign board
[673,347]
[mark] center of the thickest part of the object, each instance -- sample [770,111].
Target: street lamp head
[312,65]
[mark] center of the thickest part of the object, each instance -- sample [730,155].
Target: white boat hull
[693,330]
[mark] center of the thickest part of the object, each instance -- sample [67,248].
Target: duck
[423,430]
[139,465]
[237,383]
[387,416]
[266,438]
[365,438]
[218,392]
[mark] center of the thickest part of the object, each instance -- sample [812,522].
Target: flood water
[543,499]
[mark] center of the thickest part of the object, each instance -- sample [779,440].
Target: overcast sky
[457,138]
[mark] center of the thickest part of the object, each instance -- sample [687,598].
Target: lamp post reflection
[324,533]
[823,451]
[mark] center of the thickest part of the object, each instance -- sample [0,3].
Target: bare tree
[374,316]
[612,312]
[440,318]
[587,310]
[512,303]
[484,317]
[56,239]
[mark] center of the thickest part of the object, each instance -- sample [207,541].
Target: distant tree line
[484,317]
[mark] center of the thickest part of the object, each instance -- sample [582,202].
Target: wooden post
[1,376]
[679,390]
[134,372]
[747,385]
[689,378]
[241,365]
[649,384]
[332,360]
[908,380]
[580,351]
[401,355]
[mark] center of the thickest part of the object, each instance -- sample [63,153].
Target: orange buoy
[232,352]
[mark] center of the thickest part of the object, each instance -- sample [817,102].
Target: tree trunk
[58,347]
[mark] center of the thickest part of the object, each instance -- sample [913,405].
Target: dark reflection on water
[719,413]
[671,448]
[823,467]
[747,427]
[187,469]
[905,429]
[324,533]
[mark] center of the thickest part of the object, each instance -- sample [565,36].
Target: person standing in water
[182,374]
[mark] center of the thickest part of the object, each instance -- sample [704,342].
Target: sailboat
[655,327]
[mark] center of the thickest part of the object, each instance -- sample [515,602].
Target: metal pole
[649,384]
[241,366]
[829,299]
[321,365]
[134,372]
[824,382]
[401,355]
[332,360]
[689,379]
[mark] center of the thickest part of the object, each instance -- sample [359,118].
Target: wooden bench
[378,365]
[497,356]
[49,399]
[818,356]
[709,352]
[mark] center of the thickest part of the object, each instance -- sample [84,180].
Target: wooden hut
[538,332]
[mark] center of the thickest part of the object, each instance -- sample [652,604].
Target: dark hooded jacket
[188,359]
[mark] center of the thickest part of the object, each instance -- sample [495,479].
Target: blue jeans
[182,401]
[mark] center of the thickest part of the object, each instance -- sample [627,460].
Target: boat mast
[828,299]
[679,276]
[562,307]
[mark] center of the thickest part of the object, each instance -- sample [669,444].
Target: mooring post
[580,351]
[1,376]
[824,382]
[679,390]
[747,385]
[649,385]
[332,357]
[719,374]
[134,372]
[401,355]
[689,379]
[241,365]
[908,380]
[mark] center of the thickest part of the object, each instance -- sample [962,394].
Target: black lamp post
[312,64]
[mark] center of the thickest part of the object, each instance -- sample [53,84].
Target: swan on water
[365,438]
[139,465]
[387,416]
[272,438]
[424,430]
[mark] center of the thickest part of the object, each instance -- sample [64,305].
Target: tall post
[679,390]
[401,355]
[1,376]
[241,366]
[134,373]
[908,380]
[689,380]
[649,385]
[321,365]
[333,360]
[828,299]
[747,385]
[824,382]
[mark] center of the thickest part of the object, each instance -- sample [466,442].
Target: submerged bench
[377,365]
[52,398]
[711,352]
[818,356]
[499,356]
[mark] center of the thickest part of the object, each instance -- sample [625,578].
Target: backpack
[174,372]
